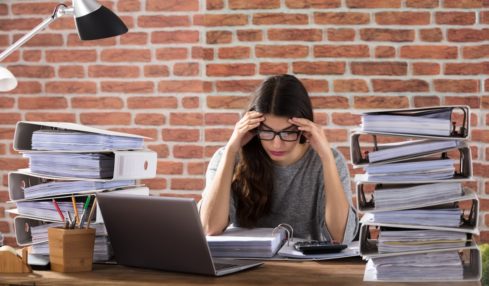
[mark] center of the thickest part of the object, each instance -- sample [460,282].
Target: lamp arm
[59,11]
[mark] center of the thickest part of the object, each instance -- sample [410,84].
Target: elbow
[209,230]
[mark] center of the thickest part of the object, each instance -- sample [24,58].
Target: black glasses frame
[281,135]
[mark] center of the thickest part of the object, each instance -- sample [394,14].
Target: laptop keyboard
[220,266]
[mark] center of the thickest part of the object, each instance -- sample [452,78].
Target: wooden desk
[341,272]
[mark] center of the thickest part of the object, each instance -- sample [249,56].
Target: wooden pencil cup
[71,250]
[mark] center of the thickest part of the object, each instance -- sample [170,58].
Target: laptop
[161,233]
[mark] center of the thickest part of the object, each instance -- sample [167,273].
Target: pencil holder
[71,250]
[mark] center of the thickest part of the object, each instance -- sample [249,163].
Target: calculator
[318,247]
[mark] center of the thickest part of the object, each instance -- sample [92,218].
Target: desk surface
[339,272]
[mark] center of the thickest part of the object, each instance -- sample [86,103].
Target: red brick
[44,102]
[484,17]
[484,102]
[315,85]
[346,119]
[31,56]
[169,168]
[481,170]
[214,4]
[234,53]
[321,118]
[149,119]
[46,116]
[273,68]
[71,56]
[476,52]
[341,34]
[187,184]
[330,101]
[129,5]
[431,35]
[348,51]
[186,69]
[471,101]
[308,35]
[196,168]
[350,85]
[467,68]
[452,85]
[318,67]
[250,35]
[237,85]
[394,85]
[150,133]
[422,3]
[31,9]
[379,68]
[171,54]
[385,52]
[218,37]
[366,102]
[221,118]
[95,102]
[455,18]
[74,41]
[156,71]
[27,87]
[180,86]
[336,135]
[32,71]
[155,184]
[42,40]
[126,55]
[118,71]
[188,151]
[161,150]
[9,118]
[128,87]
[202,54]
[402,18]
[189,119]
[468,35]
[6,102]
[314,4]
[71,72]
[151,102]
[426,68]
[105,118]
[227,102]
[70,87]
[423,101]
[172,5]
[181,135]
[429,52]
[163,21]
[217,134]
[373,4]
[280,19]
[19,23]
[341,18]
[191,102]
[230,69]
[386,35]
[7,133]
[222,20]
[279,51]
[464,4]
[134,39]
[175,37]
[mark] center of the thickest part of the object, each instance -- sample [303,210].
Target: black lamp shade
[101,23]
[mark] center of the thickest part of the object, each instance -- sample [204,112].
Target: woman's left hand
[314,135]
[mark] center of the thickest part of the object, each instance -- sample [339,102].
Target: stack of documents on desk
[416,195]
[449,217]
[417,267]
[66,140]
[417,240]
[414,170]
[40,233]
[57,188]
[102,249]
[45,210]
[243,242]
[409,149]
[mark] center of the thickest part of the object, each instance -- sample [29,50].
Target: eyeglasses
[269,135]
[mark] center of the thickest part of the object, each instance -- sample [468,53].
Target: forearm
[214,211]
[337,206]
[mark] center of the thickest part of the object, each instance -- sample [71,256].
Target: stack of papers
[62,140]
[243,242]
[417,240]
[417,267]
[409,149]
[45,210]
[87,166]
[57,188]
[416,195]
[424,125]
[449,217]
[40,233]
[414,170]
[102,250]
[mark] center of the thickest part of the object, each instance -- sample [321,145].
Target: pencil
[77,219]
[84,214]
[58,210]
[92,210]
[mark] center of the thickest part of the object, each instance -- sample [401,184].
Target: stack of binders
[418,215]
[68,165]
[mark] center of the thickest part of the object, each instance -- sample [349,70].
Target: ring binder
[288,229]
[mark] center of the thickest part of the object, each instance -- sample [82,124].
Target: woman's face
[282,152]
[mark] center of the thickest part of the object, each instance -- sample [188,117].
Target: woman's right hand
[242,133]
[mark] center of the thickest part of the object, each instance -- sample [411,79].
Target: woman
[278,167]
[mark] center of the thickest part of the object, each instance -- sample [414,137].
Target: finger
[300,121]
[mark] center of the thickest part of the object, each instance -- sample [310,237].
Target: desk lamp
[93,21]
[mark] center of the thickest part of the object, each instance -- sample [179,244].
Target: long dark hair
[281,95]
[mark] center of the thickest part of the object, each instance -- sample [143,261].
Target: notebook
[161,233]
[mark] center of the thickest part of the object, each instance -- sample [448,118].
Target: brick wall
[183,73]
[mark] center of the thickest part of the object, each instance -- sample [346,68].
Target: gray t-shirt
[298,197]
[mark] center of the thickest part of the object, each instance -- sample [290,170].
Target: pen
[68,220]
[58,210]
[77,219]
[84,214]
[92,210]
